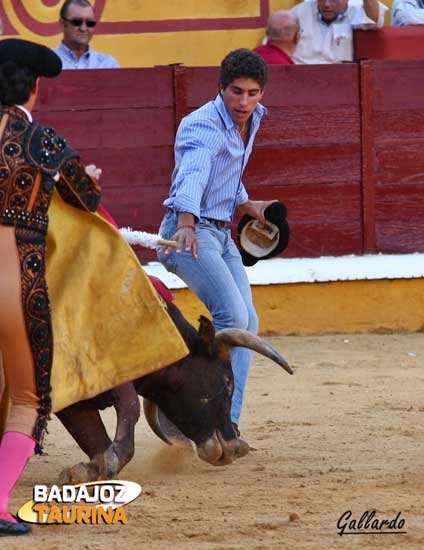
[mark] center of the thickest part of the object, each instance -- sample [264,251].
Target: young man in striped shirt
[212,147]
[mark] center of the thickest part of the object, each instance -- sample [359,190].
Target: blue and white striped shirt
[89,59]
[210,158]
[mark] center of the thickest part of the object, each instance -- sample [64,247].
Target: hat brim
[261,247]
[42,61]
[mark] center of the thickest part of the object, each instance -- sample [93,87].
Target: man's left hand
[256,209]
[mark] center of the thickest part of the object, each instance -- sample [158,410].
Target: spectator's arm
[368,14]
[372,9]
[407,13]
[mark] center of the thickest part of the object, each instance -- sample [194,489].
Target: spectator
[212,147]
[78,22]
[326,28]
[407,12]
[282,34]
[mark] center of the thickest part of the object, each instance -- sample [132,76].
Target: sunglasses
[78,22]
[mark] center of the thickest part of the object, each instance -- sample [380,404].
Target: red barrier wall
[340,146]
[124,122]
[393,160]
[390,43]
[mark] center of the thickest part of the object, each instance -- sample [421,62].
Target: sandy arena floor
[345,433]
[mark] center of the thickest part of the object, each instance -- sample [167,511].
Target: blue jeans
[219,279]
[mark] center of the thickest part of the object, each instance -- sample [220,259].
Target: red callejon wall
[340,146]
[123,121]
[393,161]
[390,43]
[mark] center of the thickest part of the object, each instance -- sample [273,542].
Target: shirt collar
[25,110]
[259,111]
[70,54]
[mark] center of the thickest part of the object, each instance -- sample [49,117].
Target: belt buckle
[219,223]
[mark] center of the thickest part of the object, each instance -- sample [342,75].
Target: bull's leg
[127,407]
[85,425]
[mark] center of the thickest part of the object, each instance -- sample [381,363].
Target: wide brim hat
[257,242]
[42,61]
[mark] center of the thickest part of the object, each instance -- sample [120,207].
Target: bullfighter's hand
[256,209]
[186,239]
[92,171]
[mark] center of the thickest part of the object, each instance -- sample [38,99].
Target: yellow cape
[109,325]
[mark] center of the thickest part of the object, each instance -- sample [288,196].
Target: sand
[345,433]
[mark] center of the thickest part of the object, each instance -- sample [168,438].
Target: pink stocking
[15,451]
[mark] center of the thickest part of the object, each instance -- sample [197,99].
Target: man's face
[240,98]
[330,9]
[78,36]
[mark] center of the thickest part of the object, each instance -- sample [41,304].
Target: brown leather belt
[219,223]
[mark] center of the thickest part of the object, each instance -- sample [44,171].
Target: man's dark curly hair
[16,83]
[243,63]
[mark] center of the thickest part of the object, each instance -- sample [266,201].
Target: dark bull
[194,393]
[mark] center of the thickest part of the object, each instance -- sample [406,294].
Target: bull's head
[195,393]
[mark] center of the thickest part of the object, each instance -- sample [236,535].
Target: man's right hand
[185,235]
[186,239]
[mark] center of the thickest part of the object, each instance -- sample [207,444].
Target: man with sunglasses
[78,22]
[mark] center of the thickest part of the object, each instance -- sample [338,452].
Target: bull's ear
[207,334]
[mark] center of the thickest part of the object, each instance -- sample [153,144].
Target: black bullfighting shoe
[236,429]
[8,528]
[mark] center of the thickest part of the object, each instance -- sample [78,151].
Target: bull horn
[232,337]
[151,414]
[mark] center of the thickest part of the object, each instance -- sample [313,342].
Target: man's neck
[284,47]
[77,49]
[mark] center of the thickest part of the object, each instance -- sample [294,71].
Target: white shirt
[330,43]
[407,12]
[25,110]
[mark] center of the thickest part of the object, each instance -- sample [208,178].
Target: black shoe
[236,429]
[7,528]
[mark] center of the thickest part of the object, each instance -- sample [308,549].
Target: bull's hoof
[80,473]
[242,449]
[109,463]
